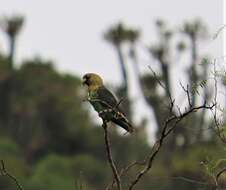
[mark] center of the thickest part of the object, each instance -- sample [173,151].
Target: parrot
[104,102]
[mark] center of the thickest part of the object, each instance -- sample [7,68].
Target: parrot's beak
[83,81]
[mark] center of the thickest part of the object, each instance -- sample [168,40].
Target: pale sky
[70,32]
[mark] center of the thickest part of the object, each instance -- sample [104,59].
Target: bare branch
[172,101]
[4,172]
[125,170]
[182,178]
[174,120]
[119,102]
[189,180]
[136,163]
[188,93]
[218,32]
[155,75]
[109,156]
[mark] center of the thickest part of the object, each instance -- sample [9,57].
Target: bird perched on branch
[104,102]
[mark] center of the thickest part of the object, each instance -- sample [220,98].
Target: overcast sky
[70,32]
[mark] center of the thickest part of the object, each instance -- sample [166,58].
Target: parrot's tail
[124,123]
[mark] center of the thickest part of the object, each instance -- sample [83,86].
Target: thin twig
[182,178]
[218,32]
[187,92]
[109,156]
[156,77]
[4,172]
[165,132]
[189,180]
[119,102]
[125,170]
[172,101]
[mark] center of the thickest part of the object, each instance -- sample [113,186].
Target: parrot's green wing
[102,99]
[108,100]
[105,100]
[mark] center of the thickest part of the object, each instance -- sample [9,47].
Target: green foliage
[44,109]
[4,69]
[52,172]
[12,25]
[45,119]
[49,142]
[14,162]
[80,184]
[195,28]
[119,33]
[8,147]
[60,172]
[195,87]
[213,165]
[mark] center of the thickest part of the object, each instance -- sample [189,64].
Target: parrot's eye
[86,79]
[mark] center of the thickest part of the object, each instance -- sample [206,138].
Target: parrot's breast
[104,111]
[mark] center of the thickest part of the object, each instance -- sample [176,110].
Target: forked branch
[109,156]
[168,127]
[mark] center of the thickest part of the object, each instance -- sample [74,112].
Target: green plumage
[106,105]
[104,101]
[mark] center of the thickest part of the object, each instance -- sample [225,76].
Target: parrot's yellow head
[92,80]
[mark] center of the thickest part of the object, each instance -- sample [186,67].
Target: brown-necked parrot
[104,102]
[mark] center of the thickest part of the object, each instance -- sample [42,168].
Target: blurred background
[51,139]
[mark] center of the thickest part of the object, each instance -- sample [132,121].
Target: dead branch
[160,83]
[119,102]
[109,156]
[125,170]
[186,90]
[173,122]
[4,172]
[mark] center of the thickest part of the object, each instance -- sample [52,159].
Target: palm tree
[117,35]
[133,36]
[12,26]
